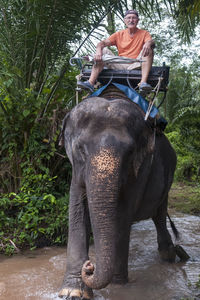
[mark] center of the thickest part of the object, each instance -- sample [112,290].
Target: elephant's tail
[174,229]
[182,254]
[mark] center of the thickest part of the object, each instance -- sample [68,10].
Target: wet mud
[38,275]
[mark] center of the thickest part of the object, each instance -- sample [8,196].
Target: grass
[184,197]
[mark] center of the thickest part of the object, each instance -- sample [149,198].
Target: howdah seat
[131,77]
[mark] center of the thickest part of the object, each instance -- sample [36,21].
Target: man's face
[131,20]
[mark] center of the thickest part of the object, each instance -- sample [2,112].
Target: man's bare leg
[96,69]
[146,66]
[89,84]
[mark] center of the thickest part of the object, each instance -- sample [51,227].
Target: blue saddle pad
[132,95]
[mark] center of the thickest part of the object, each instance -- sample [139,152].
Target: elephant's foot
[168,253]
[73,288]
[76,294]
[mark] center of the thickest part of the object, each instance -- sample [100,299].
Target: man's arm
[148,46]
[99,49]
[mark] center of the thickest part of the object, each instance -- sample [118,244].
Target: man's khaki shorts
[121,66]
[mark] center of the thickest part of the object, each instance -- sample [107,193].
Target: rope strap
[151,103]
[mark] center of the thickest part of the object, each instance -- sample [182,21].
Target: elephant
[122,171]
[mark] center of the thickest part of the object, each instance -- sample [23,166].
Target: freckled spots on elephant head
[105,162]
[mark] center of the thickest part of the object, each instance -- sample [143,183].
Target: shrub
[33,217]
[187,161]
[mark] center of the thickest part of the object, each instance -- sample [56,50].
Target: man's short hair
[131,11]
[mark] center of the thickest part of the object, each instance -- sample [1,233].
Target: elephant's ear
[62,132]
[145,147]
[65,136]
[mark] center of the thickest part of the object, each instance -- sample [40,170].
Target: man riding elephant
[131,42]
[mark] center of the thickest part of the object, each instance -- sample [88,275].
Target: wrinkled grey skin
[122,173]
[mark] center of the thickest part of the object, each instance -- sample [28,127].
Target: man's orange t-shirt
[129,46]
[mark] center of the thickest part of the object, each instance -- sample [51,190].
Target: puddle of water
[37,275]
[33,275]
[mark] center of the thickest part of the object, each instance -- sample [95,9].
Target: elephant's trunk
[102,192]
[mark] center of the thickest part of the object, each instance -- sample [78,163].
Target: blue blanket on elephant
[132,95]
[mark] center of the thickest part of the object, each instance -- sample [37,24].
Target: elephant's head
[106,141]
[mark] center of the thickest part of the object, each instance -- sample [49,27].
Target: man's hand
[147,48]
[98,55]
[99,49]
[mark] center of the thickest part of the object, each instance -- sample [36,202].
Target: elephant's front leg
[78,244]
[122,248]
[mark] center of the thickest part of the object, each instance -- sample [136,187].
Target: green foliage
[187,159]
[34,217]
[34,49]
[183,112]
[28,138]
